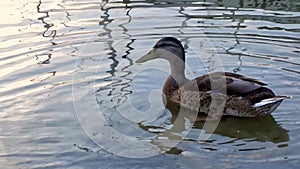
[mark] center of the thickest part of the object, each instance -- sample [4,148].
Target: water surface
[72,96]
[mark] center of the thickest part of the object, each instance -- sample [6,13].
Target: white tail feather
[267,106]
[268,101]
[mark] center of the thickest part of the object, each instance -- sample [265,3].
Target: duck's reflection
[263,128]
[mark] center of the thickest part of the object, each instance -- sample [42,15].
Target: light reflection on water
[44,44]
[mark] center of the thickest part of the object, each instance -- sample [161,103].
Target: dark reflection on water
[240,130]
[263,128]
[287,5]
[48,32]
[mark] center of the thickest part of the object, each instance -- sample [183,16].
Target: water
[72,97]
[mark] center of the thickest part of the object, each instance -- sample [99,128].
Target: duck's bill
[149,56]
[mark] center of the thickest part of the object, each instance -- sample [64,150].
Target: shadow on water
[239,131]
[263,128]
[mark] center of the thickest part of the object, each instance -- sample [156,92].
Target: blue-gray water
[69,85]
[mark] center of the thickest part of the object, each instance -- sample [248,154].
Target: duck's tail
[267,106]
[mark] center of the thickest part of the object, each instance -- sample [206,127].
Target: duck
[216,93]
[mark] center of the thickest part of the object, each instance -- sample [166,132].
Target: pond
[72,95]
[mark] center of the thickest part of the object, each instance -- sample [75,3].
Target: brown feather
[232,84]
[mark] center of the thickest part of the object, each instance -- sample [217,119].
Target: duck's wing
[231,83]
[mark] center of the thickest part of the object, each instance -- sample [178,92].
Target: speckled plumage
[236,104]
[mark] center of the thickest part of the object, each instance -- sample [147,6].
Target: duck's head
[167,48]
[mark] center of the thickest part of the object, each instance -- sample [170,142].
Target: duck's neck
[177,71]
[177,77]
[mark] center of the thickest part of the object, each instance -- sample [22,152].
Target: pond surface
[72,96]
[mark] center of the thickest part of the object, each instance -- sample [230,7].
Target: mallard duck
[240,95]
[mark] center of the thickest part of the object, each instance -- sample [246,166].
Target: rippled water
[72,96]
